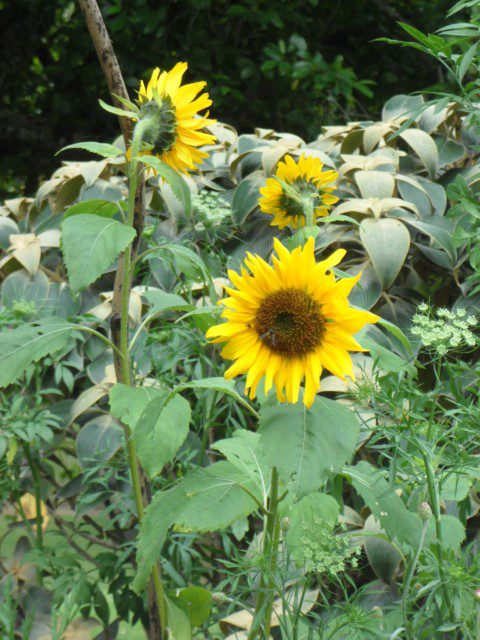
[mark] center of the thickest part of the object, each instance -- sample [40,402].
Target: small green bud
[425,511]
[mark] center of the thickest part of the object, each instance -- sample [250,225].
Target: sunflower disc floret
[307,182]
[287,321]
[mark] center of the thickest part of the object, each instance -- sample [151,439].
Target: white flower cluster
[444,330]
[210,208]
[325,551]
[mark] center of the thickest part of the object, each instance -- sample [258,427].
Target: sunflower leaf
[90,245]
[177,183]
[305,444]
[100,148]
[204,500]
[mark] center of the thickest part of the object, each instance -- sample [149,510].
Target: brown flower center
[290,322]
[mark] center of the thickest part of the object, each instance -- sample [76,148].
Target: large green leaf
[424,146]
[215,498]
[21,286]
[94,206]
[386,241]
[198,603]
[127,404]
[304,444]
[159,517]
[160,432]
[100,148]
[453,532]
[20,347]
[207,499]
[244,450]
[214,384]
[174,179]
[98,440]
[314,509]
[387,507]
[246,196]
[179,627]
[90,245]
[385,559]
[162,301]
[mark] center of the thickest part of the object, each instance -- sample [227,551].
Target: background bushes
[288,65]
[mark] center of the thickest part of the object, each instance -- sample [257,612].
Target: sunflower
[309,181]
[288,321]
[180,129]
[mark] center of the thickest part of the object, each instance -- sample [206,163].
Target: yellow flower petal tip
[287,322]
[307,178]
[181,131]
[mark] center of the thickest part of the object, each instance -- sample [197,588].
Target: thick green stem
[133,463]
[308,209]
[271,538]
[435,503]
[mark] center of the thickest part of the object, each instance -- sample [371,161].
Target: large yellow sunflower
[180,131]
[309,180]
[289,321]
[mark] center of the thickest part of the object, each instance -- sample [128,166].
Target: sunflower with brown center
[179,129]
[288,321]
[307,180]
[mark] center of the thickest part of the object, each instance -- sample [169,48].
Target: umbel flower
[288,321]
[295,186]
[177,129]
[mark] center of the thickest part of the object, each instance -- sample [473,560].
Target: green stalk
[133,463]
[38,502]
[38,496]
[435,503]
[308,210]
[411,573]
[271,537]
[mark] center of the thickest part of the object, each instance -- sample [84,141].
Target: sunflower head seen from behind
[294,185]
[287,322]
[178,129]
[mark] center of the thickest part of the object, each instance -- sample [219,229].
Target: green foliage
[27,344]
[40,97]
[160,432]
[90,244]
[306,444]
[252,500]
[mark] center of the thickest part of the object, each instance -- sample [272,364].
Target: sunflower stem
[133,463]
[308,211]
[271,538]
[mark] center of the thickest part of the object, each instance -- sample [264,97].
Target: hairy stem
[135,470]
[116,85]
[271,537]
